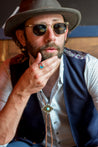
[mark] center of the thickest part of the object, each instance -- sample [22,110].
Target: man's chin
[44,57]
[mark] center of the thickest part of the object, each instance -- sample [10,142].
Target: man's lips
[51,49]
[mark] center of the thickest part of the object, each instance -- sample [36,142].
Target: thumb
[38,59]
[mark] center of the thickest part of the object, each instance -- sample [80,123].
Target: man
[48,94]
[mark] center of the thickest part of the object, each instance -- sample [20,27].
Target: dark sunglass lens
[39,29]
[59,28]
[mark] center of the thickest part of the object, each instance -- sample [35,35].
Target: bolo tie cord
[50,130]
[47,109]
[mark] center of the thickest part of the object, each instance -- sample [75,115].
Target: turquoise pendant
[47,108]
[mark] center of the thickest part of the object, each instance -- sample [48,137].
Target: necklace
[47,109]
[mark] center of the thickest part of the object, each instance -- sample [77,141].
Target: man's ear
[66,33]
[20,36]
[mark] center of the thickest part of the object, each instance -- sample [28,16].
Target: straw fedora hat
[30,8]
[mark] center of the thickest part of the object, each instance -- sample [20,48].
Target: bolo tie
[47,109]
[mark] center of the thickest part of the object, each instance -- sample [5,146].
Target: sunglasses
[40,29]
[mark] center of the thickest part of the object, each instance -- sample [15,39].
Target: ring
[41,66]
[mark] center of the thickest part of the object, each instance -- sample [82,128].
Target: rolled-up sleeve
[91,77]
[4,145]
[5,83]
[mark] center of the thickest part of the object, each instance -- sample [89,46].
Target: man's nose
[50,34]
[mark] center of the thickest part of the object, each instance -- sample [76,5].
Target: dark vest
[83,117]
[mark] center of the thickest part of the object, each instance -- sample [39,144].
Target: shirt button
[55,122]
[57,133]
[59,142]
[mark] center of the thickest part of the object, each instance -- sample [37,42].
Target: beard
[34,51]
[49,55]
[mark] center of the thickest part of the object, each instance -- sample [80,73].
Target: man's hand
[34,79]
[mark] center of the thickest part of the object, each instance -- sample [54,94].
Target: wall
[7,49]
[86,44]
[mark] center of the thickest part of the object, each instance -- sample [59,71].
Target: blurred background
[88,8]
[84,37]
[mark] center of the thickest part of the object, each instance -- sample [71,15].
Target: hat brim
[72,16]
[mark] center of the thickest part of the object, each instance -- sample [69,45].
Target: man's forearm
[10,116]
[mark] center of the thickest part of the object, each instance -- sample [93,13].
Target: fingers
[37,60]
[41,76]
[50,66]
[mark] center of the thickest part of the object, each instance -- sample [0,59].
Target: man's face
[49,44]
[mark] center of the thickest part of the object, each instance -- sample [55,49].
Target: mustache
[49,45]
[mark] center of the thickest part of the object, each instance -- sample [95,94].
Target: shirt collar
[61,71]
